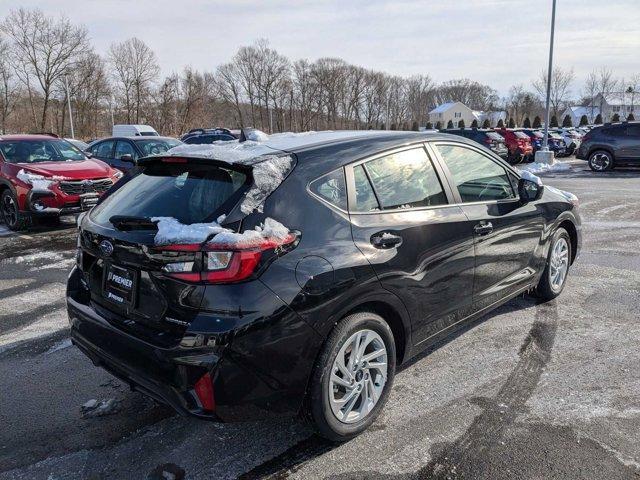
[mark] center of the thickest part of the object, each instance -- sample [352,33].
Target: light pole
[66,84]
[545,155]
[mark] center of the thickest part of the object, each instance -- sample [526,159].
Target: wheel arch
[604,148]
[571,229]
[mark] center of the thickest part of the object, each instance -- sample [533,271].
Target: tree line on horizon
[46,62]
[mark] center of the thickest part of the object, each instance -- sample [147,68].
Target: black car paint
[260,338]
[620,140]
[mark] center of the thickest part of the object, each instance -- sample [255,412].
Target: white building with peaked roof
[451,111]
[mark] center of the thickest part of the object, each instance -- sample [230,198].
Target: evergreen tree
[598,120]
[500,124]
[631,118]
[512,123]
[553,123]
[584,120]
[429,125]
[537,123]
[566,122]
[615,118]
[486,123]
[438,125]
[414,126]
[461,124]
[526,123]
[449,124]
[474,124]
[383,126]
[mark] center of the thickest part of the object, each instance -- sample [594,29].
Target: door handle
[385,240]
[483,228]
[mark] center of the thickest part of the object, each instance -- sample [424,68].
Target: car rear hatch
[495,142]
[154,290]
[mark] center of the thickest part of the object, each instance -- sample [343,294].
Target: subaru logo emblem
[106,247]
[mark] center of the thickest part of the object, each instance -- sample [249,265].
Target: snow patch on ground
[38,256]
[544,167]
[95,408]
[66,343]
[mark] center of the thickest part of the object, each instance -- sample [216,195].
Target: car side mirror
[529,187]
[127,158]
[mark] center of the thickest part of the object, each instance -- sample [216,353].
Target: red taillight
[221,263]
[204,392]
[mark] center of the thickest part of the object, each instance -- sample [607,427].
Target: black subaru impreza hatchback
[296,273]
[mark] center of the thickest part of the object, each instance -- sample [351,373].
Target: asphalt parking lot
[531,391]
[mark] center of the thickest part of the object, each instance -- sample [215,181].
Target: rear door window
[405,179]
[365,200]
[188,193]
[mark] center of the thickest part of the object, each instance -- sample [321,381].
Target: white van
[134,131]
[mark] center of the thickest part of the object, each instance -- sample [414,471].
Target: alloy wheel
[9,211]
[600,161]
[358,376]
[559,263]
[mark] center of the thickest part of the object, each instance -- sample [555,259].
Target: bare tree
[136,68]
[561,81]
[9,90]
[44,50]
[473,94]
[521,103]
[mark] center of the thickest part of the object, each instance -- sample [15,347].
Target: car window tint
[365,198]
[103,150]
[125,148]
[477,177]
[332,188]
[406,179]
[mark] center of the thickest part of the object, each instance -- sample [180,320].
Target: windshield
[156,146]
[34,151]
[189,193]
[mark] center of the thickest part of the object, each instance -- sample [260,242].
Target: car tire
[324,390]
[558,263]
[13,218]
[600,161]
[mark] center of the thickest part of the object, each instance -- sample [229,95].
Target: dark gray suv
[611,146]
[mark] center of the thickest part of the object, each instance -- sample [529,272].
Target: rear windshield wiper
[124,222]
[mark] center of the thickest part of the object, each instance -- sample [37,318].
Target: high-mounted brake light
[174,160]
[221,263]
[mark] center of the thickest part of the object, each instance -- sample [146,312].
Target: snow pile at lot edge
[544,167]
[171,231]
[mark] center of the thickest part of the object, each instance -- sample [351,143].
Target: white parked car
[134,131]
[572,138]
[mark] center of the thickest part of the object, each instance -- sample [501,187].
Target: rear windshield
[495,136]
[189,193]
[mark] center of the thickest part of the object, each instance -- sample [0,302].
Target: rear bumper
[259,355]
[156,372]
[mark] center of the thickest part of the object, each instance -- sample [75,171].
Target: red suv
[43,176]
[518,144]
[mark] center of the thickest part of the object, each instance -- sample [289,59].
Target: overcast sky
[498,42]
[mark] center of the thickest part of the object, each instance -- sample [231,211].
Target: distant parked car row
[516,145]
